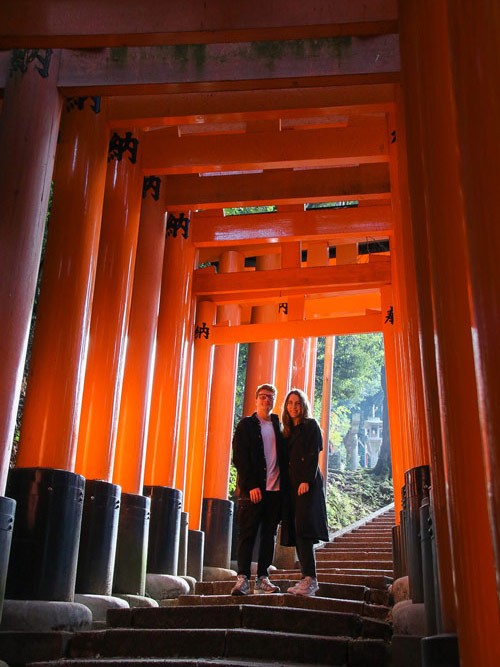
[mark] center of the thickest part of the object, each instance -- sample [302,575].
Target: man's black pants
[267,515]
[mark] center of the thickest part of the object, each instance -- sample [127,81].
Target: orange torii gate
[328,121]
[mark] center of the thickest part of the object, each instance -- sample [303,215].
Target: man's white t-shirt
[273,470]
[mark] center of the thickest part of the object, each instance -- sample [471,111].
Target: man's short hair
[267,387]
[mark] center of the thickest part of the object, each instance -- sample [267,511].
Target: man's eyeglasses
[264,397]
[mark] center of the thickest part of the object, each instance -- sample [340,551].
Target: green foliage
[356,369]
[352,495]
[240,382]
[340,509]
[356,383]
[250,210]
[232,482]
[350,203]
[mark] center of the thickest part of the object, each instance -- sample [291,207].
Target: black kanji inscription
[21,58]
[202,330]
[175,224]
[283,308]
[152,183]
[118,146]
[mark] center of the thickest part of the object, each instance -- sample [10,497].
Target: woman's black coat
[304,445]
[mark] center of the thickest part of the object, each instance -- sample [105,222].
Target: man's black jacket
[249,458]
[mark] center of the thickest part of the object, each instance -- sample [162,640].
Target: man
[260,460]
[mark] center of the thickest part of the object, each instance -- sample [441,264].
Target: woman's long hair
[306,410]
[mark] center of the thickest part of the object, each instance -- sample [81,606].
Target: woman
[304,442]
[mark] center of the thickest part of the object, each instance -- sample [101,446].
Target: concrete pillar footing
[99,605]
[45,616]
[166,586]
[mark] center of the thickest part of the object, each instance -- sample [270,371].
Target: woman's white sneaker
[306,586]
[241,587]
[263,585]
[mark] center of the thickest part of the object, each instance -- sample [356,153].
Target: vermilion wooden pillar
[410,447]
[447,620]
[311,375]
[287,310]
[220,423]
[138,373]
[300,364]
[28,133]
[398,451]
[185,405]
[110,309]
[406,311]
[217,509]
[478,621]
[200,400]
[326,402]
[474,54]
[261,361]
[53,397]
[284,349]
[171,350]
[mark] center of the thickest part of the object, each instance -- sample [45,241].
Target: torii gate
[316,99]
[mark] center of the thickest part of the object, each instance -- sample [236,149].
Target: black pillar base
[183,545]
[440,651]
[164,530]
[96,555]
[132,545]
[217,524]
[196,544]
[7,512]
[417,482]
[44,550]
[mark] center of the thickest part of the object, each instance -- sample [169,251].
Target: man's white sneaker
[241,587]
[263,585]
[306,586]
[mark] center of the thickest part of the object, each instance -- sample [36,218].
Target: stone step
[378,579]
[256,617]
[360,554]
[349,539]
[322,571]
[372,530]
[19,647]
[170,662]
[352,564]
[374,533]
[241,643]
[354,554]
[324,566]
[331,589]
[361,607]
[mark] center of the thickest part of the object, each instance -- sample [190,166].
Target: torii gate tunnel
[149,124]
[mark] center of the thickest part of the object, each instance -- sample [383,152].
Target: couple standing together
[277,466]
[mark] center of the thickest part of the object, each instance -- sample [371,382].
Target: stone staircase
[346,624]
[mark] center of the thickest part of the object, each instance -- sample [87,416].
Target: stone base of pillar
[284,557]
[45,616]
[99,605]
[166,586]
